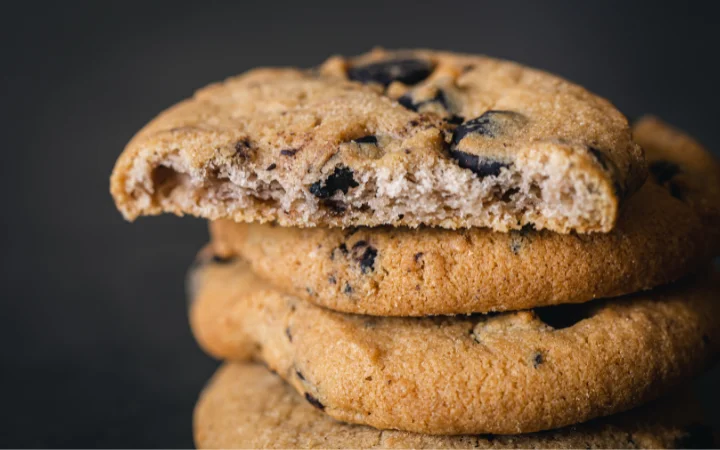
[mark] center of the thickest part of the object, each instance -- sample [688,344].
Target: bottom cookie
[245,406]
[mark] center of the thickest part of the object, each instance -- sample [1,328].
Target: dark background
[96,350]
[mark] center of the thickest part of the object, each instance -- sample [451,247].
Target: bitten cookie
[244,406]
[391,137]
[663,233]
[505,373]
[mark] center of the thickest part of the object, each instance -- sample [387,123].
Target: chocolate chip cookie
[667,229]
[409,138]
[503,373]
[244,406]
[683,166]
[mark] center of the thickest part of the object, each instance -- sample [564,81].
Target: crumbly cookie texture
[684,167]
[245,406]
[391,137]
[505,373]
[667,229]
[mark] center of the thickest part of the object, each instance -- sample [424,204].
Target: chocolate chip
[663,171]
[563,316]
[347,289]
[521,237]
[454,120]
[439,98]
[271,167]
[537,359]
[288,334]
[342,249]
[370,139]
[418,256]
[491,124]
[289,152]
[299,375]
[407,71]
[696,436]
[222,259]
[675,190]
[336,207]
[482,167]
[313,401]
[340,180]
[243,149]
[332,279]
[365,255]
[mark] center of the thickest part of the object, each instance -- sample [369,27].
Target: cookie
[662,234]
[683,166]
[504,373]
[404,272]
[391,137]
[244,406]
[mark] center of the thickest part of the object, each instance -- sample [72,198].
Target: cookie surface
[505,373]
[683,166]
[666,230]
[245,406]
[399,138]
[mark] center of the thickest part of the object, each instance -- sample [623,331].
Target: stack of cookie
[462,250]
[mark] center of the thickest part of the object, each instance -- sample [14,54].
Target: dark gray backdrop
[96,350]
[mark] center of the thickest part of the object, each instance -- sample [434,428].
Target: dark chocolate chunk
[697,436]
[222,259]
[366,140]
[288,334]
[289,152]
[439,98]
[663,171]
[365,255]
[271,167]
[491,124]
[340,180]
[675,190]
[527,229]
[243,149]
[482,167]
[537,359]
[563,316]
[408,71]
[347,289]
[454,120]
[313,401]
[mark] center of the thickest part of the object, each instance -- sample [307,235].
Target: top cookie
[391,137]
